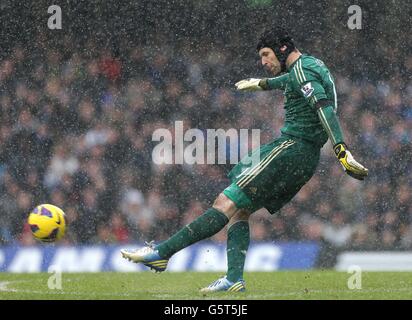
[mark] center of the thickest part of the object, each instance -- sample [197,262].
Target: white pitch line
[4,287]
[309,291]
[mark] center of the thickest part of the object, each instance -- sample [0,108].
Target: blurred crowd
[76,131]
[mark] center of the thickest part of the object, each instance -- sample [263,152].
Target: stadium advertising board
[262,256]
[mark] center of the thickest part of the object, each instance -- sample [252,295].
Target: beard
[274,69]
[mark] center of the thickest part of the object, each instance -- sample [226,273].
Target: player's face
[269,60]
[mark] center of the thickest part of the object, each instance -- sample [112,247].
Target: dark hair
[275,38]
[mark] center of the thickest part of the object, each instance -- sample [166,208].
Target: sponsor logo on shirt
[307,90]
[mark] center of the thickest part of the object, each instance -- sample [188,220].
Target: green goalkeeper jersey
[308,81]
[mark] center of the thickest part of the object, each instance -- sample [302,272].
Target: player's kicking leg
[147,255]
[205,226]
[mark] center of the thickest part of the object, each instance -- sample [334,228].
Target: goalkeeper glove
[349,164]
[251,84]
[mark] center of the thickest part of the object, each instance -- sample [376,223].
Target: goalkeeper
[285,166]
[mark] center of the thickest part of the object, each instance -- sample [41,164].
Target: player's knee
[225,205]
[240,215]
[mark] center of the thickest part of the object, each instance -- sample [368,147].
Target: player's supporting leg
[205,226]
[238,238]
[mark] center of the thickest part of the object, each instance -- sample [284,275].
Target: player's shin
[238,238]
[205,226]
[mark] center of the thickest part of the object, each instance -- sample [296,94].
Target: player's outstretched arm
[312,80]
[331,124]
[259,84]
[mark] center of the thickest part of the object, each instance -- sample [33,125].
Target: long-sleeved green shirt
[310,101]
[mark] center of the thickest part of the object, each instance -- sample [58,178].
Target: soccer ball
[47,223]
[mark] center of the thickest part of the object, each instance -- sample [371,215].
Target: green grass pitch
[294,285]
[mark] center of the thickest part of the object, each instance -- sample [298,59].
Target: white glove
[251,84]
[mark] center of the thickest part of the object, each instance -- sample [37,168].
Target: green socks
[205,226]
[238,239]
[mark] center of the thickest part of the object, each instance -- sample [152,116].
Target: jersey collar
[293,64]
